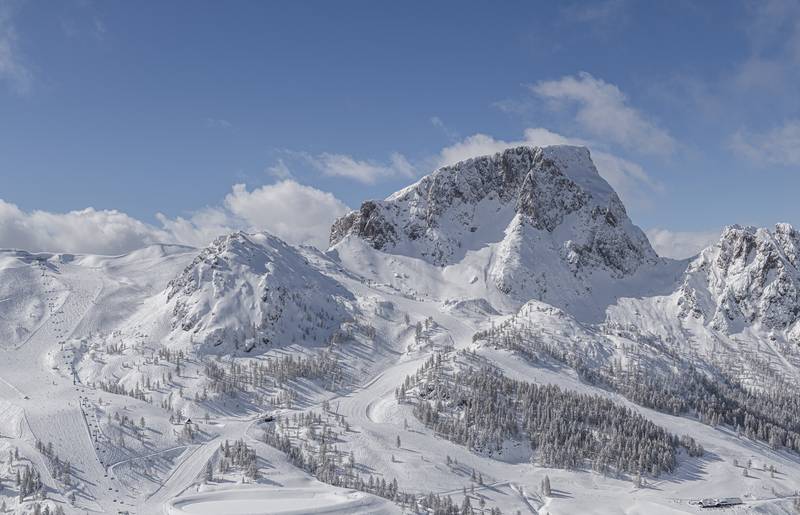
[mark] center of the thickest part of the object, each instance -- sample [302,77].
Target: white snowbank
[283,501]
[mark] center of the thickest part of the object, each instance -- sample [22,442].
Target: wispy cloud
[603,111]
[280,170]
[774,37]
[218,123]
[294,212]
[778,146]
[447,131]
[100,29]
[13,69]
[767,78]
[605,12]
[362,170]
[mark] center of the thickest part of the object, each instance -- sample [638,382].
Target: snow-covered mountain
[499,334]
[555,192]
[749,277]
[255,290]
[553,227]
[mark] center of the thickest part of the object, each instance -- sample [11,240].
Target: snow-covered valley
[498,337]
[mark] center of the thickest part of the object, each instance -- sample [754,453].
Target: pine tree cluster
[240,456]
[61,470]
[38,510]
[481,408]
[325,461]
[772,416]
[235,376]
[29,482]
[119,389]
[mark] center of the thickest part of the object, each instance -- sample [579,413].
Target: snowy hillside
[255,291]
[497,338]
[24,298]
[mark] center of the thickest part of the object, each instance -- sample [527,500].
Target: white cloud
[483,144]
[678,244]
[296,213]
[13,69]
[603,111]
[87,230]
[778,146]
[200,228]
[365,171]
[633,185]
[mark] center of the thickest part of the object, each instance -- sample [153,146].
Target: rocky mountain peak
[749,276]
[474,203]
[527,223]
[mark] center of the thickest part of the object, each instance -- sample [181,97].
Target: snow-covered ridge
[457,206]
[750,276]
[471,203]
[254,289]
[549,225]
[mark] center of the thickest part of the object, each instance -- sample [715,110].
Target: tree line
[481,408]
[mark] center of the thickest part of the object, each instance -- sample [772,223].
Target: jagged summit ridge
[749,276]
[551,218]
[544,184]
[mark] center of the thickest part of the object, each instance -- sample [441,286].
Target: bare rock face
[368,223]
[750,276]
[433,213]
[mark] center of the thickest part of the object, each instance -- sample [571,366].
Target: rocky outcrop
[750,276]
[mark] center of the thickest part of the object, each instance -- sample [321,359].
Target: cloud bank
[296,213]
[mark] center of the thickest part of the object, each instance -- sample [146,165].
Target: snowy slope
[24,298]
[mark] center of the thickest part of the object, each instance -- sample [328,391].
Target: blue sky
[178,120]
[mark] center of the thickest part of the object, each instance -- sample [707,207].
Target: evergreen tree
[546,486]
[209,472]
